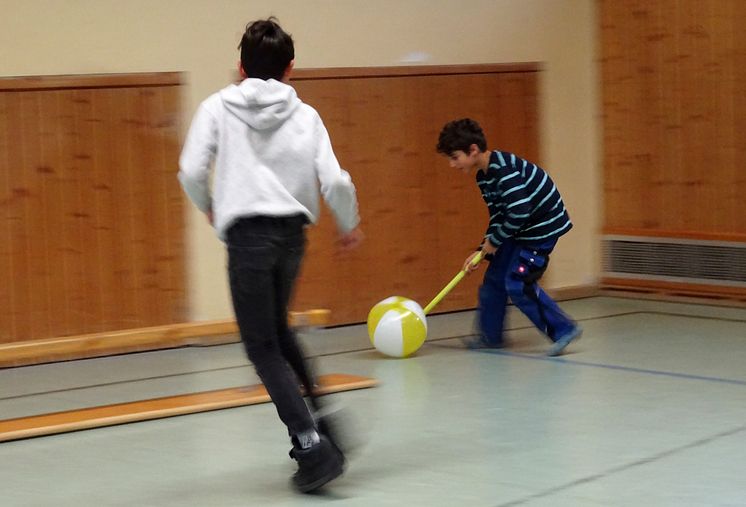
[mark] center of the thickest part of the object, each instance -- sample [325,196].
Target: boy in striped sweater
[527,217]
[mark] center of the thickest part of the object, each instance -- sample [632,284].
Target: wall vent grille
[678,260]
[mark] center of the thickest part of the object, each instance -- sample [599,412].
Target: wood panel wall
[91,215]
[674,107]
[421,218]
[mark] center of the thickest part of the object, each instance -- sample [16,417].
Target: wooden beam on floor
[159,408]
[136,340]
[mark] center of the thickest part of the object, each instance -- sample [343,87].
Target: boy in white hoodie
[272,155]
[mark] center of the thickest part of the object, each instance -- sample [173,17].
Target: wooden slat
[408,71]
[33,239]
[159,408]
[86,288]
[683,288]
[132,340]
[7,292]
[662,295]
[26,83]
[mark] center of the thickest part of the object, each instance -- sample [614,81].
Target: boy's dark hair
[266,49]
[460,135]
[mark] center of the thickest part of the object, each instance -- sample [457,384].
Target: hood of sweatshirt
[260,104]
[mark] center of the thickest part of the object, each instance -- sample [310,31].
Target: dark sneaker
[479,342]
[563,341]
[317,465]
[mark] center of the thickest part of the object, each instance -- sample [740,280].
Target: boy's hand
[488,248]
[352,239]
[468,266]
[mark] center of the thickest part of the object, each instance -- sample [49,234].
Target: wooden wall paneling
[727,62]
[613,69]
[674,116]
[171,260]
[330,269]
[147,193]
[33,238]
[356,111]
[499,102]
[460,214]
[719,72]
[117,146]
[663,199]
[99,239]
[91,210]
[7,323]
[649,184]
[135,218]
[696,106]
[88,292]
[738,103]
[175,289]
[117,170]
[421,217]
[648,173]
[51,184]
[162,176]
[155,135]
[672,106]
[15,214]
[151,140]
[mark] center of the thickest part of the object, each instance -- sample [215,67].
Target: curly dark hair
[460,135]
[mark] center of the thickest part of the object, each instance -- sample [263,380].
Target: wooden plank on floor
[159,408]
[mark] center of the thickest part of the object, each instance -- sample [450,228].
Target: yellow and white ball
[397,326]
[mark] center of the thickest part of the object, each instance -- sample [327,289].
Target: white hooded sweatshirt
[272,154]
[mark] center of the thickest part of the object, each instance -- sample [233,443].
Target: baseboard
[136,340]
[573,292]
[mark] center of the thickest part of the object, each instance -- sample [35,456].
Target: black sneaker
[317,465]
[478,343]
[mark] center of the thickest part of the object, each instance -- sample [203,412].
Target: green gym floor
[647,409]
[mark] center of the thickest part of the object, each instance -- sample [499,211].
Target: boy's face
[463,161]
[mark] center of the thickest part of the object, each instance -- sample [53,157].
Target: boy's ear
[474,149]
[241,72]
[288,70]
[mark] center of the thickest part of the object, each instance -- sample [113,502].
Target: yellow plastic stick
[456,279]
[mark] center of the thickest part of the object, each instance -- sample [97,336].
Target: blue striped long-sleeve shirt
[523,201]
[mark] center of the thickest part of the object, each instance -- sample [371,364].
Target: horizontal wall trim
[412,70]
[77,81]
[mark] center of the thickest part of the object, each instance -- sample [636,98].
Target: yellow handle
[456,279]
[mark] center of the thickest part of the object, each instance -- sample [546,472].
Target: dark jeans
[503,279]
[264,257]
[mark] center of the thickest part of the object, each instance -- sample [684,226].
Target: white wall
[199,37]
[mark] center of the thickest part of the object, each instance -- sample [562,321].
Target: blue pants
[504,278]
